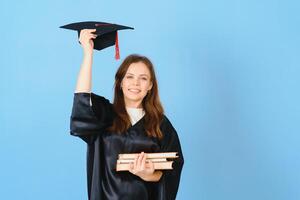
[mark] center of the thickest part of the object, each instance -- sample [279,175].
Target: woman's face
[135,84]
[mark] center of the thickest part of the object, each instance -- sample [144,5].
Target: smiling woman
[133,123]
[136,86]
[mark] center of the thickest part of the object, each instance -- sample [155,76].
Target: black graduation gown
[89,122]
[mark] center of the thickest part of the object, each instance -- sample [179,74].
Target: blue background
[228,74]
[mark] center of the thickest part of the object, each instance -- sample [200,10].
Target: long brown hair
[151,103]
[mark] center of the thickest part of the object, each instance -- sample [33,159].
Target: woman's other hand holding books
[145,170]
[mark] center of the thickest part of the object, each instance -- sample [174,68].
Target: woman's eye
[129,76]
[143,78]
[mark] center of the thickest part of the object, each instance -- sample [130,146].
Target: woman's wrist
[87,53]
[152,177]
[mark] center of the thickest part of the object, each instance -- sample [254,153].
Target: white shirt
[135,114]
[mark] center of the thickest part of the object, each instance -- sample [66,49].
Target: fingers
[143,160]
[140,160]
[86,34]
[84,31]
[141,166]
[85,39]
[134,167]
[92,36]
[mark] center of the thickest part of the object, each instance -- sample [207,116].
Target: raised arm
[84,80]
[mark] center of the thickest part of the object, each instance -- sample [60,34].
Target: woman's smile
[135,91]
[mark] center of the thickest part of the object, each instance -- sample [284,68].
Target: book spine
[151,159]
[149,155]
[157,166]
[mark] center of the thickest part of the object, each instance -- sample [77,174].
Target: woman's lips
[134,90]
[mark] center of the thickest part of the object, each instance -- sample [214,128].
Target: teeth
[133,90]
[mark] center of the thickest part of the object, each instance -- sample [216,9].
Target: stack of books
[159,160]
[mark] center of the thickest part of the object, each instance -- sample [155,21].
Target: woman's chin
[133,97]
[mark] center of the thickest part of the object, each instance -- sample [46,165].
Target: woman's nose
[136,82]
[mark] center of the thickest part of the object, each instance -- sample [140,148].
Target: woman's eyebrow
[140,74]
[143,75]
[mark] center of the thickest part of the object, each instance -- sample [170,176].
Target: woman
[134,123]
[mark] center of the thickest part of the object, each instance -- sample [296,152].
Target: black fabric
[104,182]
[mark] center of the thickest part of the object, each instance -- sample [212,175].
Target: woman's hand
[141,168]
[85,39]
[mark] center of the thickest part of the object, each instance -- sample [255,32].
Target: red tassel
[117,55]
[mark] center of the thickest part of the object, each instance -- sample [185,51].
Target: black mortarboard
[107,33]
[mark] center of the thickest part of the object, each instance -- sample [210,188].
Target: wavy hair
[151,103]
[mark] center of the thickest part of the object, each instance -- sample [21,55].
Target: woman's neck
[133,104]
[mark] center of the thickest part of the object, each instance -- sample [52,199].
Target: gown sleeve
[91,114]
[171,178]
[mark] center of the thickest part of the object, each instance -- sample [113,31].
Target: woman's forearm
[84,80]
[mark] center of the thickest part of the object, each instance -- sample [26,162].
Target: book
[149,155]
[157,166]
[130,160]
[160,160]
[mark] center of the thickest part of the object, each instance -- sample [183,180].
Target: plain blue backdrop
[228,74]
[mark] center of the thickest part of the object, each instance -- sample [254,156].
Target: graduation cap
[107,33]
